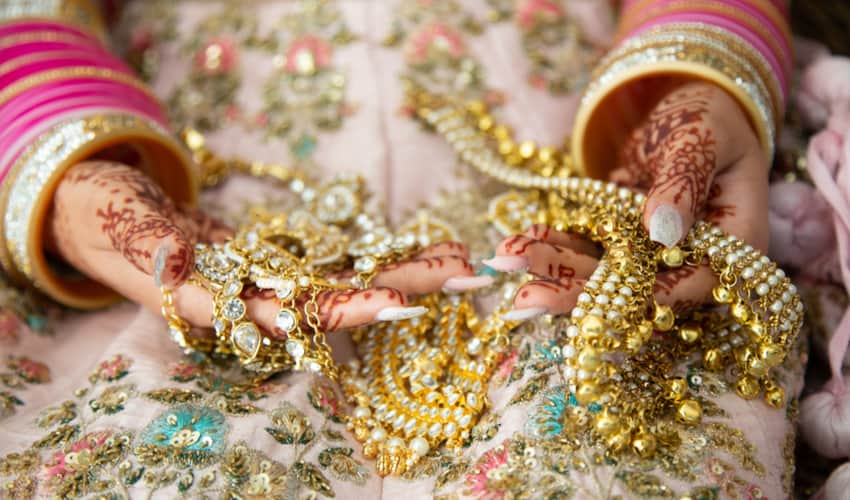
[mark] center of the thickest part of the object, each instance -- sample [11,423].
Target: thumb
[140,222]
[685,172]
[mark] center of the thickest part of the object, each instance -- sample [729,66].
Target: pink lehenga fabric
[108,401]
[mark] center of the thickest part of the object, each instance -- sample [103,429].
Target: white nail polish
[463,283]
[665,226]
[159,265]
[397,313]
[524,314]
[507,263]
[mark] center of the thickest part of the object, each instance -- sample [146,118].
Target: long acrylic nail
[524,314]
[159,264]
[665,226]
[463,283]
[397,313]
[507,263]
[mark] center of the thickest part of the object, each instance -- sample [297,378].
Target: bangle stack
[64,99]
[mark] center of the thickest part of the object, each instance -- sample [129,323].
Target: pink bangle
[35,67]
[35,46]
[23,110]
[748,10]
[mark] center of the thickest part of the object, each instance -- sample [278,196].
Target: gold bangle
[42,36]
[82,14]
[73,72]
[29,186]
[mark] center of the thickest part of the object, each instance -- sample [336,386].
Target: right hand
[110,221]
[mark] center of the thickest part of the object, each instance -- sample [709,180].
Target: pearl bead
[361,412]
[419,446]
[578,312]
[584,297]
[395,442]
[772,280]
[748,273]
[762,289]
[378,434]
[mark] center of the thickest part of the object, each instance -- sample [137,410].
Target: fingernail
[507,263]
[524,314]
[665,226]
[463,283]
[159,264]
[397,313]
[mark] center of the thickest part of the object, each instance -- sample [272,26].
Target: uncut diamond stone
[246,337]
[176,335]
[233,309]
[365,265]
[295,348]
[286,320]
[218,325]
[232,288]
[285,289]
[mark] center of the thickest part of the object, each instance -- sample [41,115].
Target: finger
[444,249]
[352,308]
[128,212]
[545,296]
[685,170]
[547,234]
[542,259]
[423,275]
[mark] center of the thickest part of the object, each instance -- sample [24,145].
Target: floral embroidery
[559,53]
[75,471]
[23,371]
[486,481]
[189,435]
[112,399]
[110,370]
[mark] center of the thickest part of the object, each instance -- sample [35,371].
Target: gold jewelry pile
[422,382]
[607,344]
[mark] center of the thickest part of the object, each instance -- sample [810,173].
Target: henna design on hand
[137,213]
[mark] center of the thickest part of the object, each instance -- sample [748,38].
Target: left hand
[696,157]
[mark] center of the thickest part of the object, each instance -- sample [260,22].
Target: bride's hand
[696,157]
[110,221]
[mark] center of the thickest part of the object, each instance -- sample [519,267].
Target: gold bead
[756,367]
[506,147]
[583,219]
[743,355]
[689,412]
[677,388]
[527,149]
[546,154]
[747,387]
[756,330]
[664,318]
[740,311]
[617,442]
[673,257]
[607,424]
[592,326]
[587,392]
[476,107]
[370,450]
[589,359]
[712,360]
[775,397]
[485,123]
[771,354]
[644,444]
[722,295]
[645,330]
[501,132]
[690,333]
